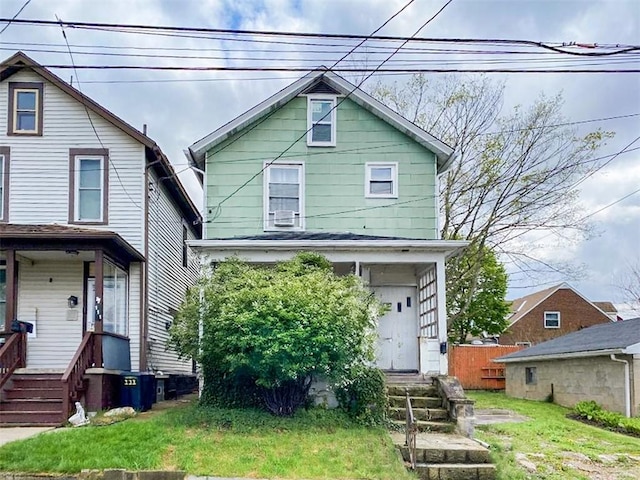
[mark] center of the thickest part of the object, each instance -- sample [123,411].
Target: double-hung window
[284,196]
[25,108]
[381,180]
[89,186]
[321,121]
[4,184]
[551,319]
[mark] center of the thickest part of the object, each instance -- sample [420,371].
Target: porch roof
[336,246]
[64,237]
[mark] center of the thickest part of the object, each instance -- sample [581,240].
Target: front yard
[314,444]
[551,446]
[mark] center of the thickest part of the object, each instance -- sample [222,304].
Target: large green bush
[268,331]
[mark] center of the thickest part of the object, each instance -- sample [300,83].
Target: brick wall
[575,313]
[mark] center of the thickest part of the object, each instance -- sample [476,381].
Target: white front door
[398,329]
[91,304]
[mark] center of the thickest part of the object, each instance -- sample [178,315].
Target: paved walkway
[18,433]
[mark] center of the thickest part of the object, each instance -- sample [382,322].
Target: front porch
[407,275]
[79,292]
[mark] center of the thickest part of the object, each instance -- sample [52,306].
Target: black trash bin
[137,390]
[19,326]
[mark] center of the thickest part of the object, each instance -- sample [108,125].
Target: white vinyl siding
[165,262]
[43,162]
[43,289]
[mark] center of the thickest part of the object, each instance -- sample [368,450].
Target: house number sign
[130,381]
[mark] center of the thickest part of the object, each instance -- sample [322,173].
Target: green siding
[334,176]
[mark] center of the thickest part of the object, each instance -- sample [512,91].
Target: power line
[13,19]
[266,33]
[337,70]
[343,99]
[95,131]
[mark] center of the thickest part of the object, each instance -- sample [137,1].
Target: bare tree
[515,173]
[629,285]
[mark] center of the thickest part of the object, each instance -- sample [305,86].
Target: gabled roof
[156,157]
[444,152]
[606,307]
[522,306]
[601,339]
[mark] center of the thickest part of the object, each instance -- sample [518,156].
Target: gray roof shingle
[311,236]
[606,336]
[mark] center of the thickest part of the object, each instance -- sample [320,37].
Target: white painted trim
[76,186]
[552,312]
[16,91]
[394,179]
[299,166]
[332,119]
[444,153]
[443,246]
[560,356]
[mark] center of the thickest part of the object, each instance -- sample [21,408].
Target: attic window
[25,108]
[551,319]
[321,121]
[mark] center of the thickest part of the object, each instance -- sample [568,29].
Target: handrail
[13,354]
[72,377]
[411,431]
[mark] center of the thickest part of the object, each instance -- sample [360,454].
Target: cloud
[186,106]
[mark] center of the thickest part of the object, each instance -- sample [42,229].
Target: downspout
[627,385]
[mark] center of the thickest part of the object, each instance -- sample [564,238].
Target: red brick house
[550,313]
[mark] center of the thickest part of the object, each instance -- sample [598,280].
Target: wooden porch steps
[32,399]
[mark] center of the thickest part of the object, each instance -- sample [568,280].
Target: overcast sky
[182,107]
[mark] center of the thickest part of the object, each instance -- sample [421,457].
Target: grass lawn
[206,441]
[555,446]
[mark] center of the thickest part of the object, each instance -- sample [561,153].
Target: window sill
[24,134]
[92,222]
[380,196]
[316,144]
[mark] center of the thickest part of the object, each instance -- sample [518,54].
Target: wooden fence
[473,366]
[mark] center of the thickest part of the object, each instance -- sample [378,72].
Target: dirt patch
[605,467]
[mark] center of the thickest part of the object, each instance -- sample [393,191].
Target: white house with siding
[94,227]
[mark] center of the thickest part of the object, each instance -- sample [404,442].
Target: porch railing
[13,354]
[411,432]
[72,379]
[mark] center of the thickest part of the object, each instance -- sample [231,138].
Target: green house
[322,166]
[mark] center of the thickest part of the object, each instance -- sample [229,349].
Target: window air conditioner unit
[284,218]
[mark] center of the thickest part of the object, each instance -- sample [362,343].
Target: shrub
[591,411]
[268,331]
[364,397]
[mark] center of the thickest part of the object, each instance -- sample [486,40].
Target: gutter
[627,385]
[437,245]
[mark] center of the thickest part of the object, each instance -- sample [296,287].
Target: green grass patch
[558,446]
[313,444]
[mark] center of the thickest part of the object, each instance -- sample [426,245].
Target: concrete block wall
[574,380]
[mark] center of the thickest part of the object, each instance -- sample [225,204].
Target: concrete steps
[448,457]
[440,454]
[32,400]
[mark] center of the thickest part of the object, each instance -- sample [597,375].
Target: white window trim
[332,117]
[394,179]
[3,172]
[76,186]
[545,320]
[265,196]
[15,109]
